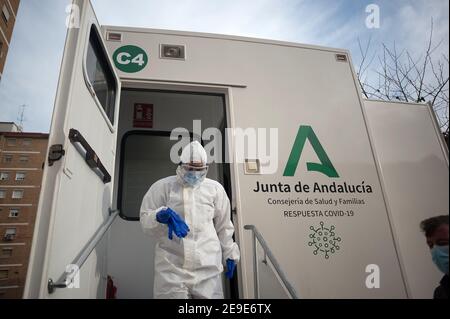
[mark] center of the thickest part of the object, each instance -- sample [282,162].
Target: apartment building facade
[8,14]
[21,168]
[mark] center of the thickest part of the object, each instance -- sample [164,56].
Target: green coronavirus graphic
[324,240]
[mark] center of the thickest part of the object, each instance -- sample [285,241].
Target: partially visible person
[436,232]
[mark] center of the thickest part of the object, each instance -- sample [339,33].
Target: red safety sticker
[143,115]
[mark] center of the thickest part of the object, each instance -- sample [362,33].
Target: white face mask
[191,177]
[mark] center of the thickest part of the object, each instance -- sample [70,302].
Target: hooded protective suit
[190,267]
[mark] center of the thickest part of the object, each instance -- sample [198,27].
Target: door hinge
[55,153]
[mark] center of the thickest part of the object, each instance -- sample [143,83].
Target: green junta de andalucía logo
[325,166]
[130,59]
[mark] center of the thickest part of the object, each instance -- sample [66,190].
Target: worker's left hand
[231,265]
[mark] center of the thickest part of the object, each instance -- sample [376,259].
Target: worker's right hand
[163,215]
[174,222]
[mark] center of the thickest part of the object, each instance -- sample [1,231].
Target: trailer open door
[76,194]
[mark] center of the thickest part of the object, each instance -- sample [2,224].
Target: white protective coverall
[190,267]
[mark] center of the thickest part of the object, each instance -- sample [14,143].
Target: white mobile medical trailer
[334,214]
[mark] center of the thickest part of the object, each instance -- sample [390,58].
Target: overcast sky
[31,73]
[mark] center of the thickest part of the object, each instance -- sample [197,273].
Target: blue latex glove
[231,265]
[178,226]
[175,223]
[163,215]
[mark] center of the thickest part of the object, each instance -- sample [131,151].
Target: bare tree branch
[400,75]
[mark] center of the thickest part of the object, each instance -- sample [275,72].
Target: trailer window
[100,75]
[136,177]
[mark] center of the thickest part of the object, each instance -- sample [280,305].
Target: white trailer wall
[414,166]
[285,86]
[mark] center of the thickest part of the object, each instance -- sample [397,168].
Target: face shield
[193,167]
[192,174]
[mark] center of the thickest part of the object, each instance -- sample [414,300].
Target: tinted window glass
[100,75]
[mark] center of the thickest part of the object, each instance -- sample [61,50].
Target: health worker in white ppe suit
[196,210]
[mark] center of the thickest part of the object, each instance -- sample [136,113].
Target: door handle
[90,156]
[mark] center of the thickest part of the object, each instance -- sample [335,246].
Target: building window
[27,142]
[17,194]
[20,176]
[100,74]
[6,252]
[10,234]
[5,13]
[3,274]
[4,176]
[23,158]
[14,212]
[7,158]
[2,193]
[11,141]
